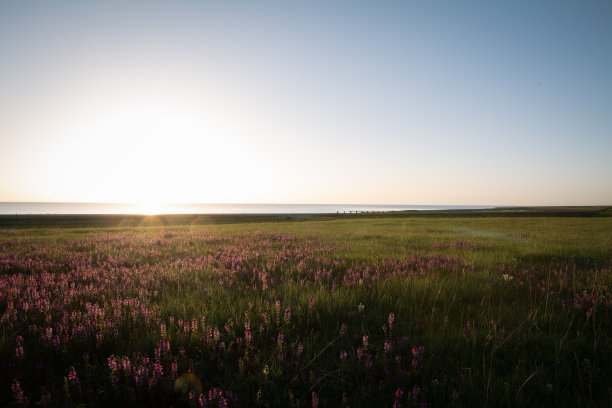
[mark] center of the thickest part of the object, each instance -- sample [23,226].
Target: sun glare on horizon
[149,208]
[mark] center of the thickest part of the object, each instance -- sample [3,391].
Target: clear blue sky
[381,102]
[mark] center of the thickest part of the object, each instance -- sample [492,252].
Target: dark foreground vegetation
[358,311]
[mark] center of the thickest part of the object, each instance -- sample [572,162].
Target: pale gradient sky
[381,102]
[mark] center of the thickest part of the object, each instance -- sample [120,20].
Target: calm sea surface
[120,208]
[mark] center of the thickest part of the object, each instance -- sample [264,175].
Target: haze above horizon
[316,102]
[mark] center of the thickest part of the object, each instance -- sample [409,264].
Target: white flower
[360,307]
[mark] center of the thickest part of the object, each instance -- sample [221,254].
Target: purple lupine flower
[315,400]
[18,393]
[287,314]
[72,376]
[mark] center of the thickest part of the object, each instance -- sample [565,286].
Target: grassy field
[354,311]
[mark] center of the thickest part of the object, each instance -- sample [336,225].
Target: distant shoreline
[136,220]
[68,208]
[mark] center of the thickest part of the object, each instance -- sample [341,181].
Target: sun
[150,208]
[145,149]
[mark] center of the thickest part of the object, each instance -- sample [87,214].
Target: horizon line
[286,203]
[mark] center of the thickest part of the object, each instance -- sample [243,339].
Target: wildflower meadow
[398,312]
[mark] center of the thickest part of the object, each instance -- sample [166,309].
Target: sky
[379,102]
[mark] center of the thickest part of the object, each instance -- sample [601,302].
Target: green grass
[501,326]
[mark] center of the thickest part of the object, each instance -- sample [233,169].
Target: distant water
[121,208]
